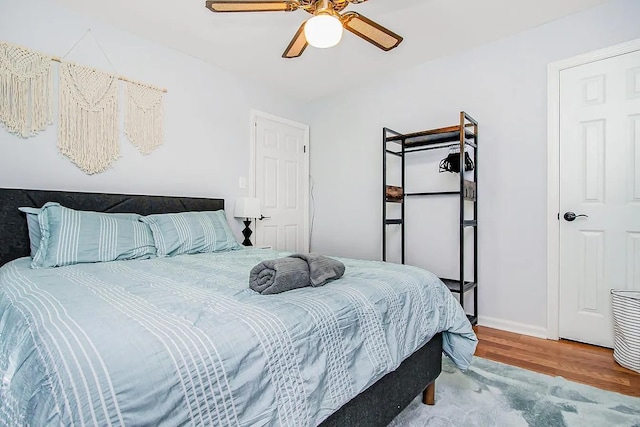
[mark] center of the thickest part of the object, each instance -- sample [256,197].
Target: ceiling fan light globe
[323,31]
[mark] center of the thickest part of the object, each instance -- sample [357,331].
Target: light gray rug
[494,394]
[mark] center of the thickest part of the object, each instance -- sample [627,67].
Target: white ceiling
[251,44]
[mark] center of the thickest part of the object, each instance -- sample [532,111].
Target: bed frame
[376,406]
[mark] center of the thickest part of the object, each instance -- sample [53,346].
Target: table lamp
[247,208]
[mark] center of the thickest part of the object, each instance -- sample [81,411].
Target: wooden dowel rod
[124,79]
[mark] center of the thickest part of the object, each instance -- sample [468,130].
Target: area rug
[494,394]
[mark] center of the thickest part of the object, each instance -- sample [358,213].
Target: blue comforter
[184,341]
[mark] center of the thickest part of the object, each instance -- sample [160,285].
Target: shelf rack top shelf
[432,136]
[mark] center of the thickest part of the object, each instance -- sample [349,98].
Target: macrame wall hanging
[25,90]
[143,117]
[88,132]
[88,129]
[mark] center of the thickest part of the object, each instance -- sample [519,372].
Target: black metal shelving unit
[464,135]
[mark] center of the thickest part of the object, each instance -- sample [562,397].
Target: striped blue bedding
[184,341]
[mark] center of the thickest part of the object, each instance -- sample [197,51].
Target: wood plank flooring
[574,361]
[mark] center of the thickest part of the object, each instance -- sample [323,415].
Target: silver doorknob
[570,216]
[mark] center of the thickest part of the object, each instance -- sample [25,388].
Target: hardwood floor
[574,361]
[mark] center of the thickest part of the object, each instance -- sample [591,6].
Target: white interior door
[282,183]
[599,178]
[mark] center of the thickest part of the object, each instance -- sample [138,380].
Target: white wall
[207,113]
[502,85]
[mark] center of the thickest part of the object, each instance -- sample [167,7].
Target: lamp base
[247,232]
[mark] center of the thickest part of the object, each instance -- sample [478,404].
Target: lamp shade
[323,31]
[247,207]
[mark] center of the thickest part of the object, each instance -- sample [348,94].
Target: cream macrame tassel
[88,130]
[26,103]
[143,117]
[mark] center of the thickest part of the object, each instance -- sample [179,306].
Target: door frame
[255,114]
[553,171]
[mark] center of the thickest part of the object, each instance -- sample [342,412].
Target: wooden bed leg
[429,394]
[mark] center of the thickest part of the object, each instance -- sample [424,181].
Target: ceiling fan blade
[298,44]
[370,31]
[251,6]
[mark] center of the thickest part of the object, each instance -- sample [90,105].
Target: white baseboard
[518,328]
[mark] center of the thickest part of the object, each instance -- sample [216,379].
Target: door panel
[593,138]
[599,170]
[281,183]
[291,238]
[633,83]
[634,148]
[592,273]
[633,260]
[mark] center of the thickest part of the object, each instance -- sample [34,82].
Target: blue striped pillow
[34,225]
[72,237]
[34,228]
[191,233]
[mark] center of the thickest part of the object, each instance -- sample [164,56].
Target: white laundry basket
[626,324]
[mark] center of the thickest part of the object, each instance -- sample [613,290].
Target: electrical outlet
[243,182]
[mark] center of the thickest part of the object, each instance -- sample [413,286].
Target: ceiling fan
[322,30]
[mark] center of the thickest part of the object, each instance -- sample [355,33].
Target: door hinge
[558,216]
[304,148]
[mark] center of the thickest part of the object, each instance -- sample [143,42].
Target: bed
[70,351]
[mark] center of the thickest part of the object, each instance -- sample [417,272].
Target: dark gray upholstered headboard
[14,235]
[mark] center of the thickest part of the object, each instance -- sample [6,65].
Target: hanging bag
[451,163]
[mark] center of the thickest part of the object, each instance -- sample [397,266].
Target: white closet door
[599,178]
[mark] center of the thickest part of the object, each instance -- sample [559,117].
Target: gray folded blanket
[296,271]
[321,268]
